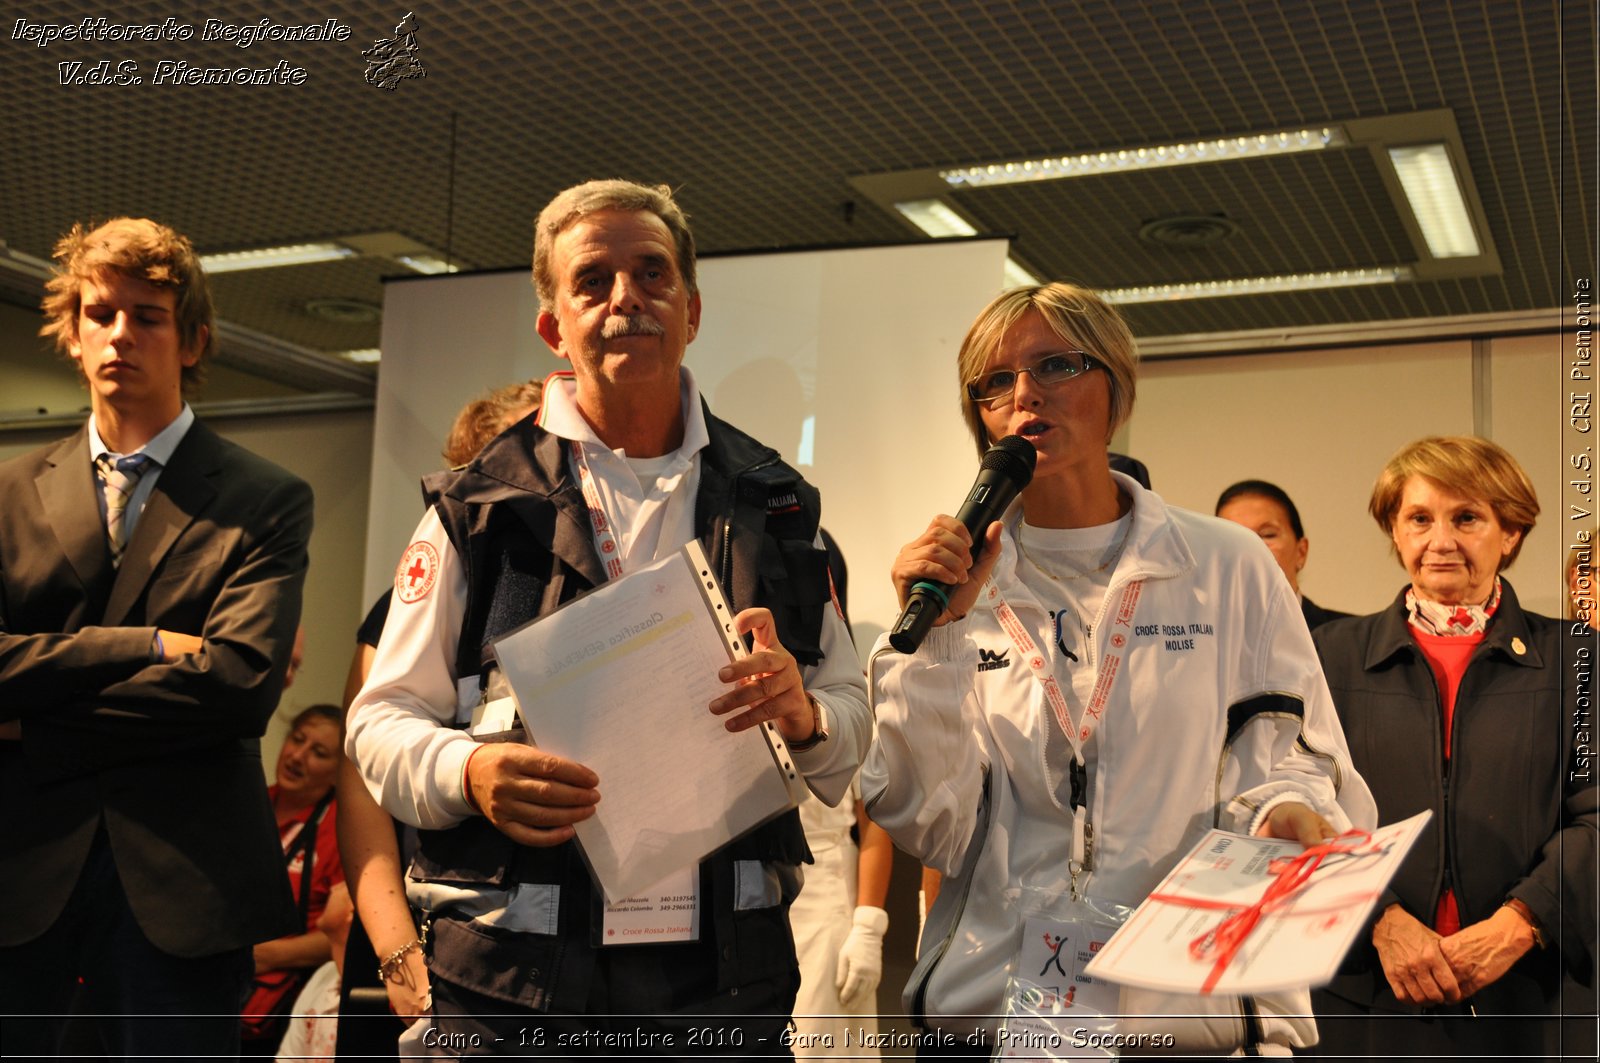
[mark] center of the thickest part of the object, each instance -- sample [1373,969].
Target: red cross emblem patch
[418,572]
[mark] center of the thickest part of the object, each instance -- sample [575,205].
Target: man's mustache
[631,325]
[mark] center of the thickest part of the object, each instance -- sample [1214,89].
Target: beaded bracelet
[392,963]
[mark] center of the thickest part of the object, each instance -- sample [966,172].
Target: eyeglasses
[994,389]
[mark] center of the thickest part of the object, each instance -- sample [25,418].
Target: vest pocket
[510,966]
[763,884]
[471,854]
[794,585]
[532,908]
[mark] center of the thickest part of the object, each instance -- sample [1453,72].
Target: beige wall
[1320,424]
[1527,409]
[34,375]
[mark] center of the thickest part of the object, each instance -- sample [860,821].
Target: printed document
[621,680]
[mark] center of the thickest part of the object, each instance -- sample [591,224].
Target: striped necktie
[119,477]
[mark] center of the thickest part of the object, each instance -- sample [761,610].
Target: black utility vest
[518,521]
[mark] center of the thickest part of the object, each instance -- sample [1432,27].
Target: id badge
[489,714]
[1052,1009]
[667,911]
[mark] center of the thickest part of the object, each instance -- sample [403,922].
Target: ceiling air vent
[1187,232]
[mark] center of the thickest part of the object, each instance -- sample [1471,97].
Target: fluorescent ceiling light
[430,264]
[1435,196]
[264,257]
[397,247]
[934,217]
[366,355]
[1292,282]
[1123,160]
[1018,277]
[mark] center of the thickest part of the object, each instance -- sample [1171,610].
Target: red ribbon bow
[1225,939]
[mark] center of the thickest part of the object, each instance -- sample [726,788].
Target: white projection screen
[843,360]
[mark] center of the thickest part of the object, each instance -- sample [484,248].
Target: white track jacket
[969,770]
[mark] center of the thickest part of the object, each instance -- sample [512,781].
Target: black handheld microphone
[1006,469]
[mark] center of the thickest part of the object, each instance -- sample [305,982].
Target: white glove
[861,956]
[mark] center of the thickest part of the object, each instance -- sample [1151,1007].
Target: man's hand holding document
[1255,915]
[622,681]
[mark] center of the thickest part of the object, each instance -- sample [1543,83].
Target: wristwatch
[819,731]
[1522,909]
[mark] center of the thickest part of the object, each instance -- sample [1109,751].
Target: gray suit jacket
[166,756]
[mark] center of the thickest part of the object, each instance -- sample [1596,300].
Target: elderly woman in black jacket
[1456,700]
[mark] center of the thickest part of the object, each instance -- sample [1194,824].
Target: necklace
[1073,574]
[1083,623]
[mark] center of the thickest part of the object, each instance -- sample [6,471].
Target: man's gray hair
[592,196]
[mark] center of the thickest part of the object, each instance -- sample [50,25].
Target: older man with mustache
[624,466]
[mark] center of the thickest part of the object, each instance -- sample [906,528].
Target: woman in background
[302,801]
[1457,701]
[1266,509]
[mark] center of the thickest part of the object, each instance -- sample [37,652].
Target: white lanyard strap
[1029,653]
[1111,662]
[604,540]
[1078,735]
[1105,678]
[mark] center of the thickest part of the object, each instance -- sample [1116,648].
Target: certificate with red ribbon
[1243,915]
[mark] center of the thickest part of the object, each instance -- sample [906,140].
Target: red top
[1447,655]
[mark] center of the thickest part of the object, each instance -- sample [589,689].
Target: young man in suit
[150,583]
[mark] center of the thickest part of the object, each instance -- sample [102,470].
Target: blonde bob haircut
[591,197]
[1081,318]
[144,250]
[1469,466]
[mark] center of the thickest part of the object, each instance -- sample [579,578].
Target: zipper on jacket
[1333,762]
[1448,883]
[1254,1035]
[1444,881]
[1448,828]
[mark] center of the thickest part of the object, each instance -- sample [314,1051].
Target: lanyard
[1078,735]
[660,517]
[604,540]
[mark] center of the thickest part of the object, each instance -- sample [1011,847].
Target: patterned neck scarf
[1436,618]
